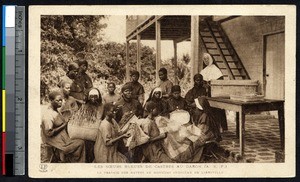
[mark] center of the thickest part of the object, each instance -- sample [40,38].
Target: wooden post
[138,53]
[175,62]
[194,45]
[158,49]
[127,76]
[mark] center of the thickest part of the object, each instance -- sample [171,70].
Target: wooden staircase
[217,44]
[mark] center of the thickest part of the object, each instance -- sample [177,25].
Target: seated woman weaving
[153,150]
[55,135]
[108,137]
[185,142]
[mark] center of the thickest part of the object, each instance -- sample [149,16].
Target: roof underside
[172,28]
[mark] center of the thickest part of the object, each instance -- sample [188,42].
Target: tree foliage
[65,39]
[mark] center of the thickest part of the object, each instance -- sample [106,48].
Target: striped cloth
[181,139]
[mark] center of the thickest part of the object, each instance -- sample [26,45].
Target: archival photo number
[159,95]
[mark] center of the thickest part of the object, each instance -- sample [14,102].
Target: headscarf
[210,59]
[95,91]
[157,89]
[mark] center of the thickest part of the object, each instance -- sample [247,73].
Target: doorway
[274,65]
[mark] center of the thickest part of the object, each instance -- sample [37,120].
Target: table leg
[281,126]
[237,125]
[242,131]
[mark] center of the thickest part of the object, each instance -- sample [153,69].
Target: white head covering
[157,89]
[210,59]
[93,92]
[211,72]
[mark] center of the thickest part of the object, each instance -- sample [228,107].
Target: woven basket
[85,131]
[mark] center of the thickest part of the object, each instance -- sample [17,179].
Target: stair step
[230,68]
[206,36]
[209,42]
[239,75]
[219,55]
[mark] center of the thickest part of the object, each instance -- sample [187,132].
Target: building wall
[246,35]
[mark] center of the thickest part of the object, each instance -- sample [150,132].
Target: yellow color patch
[3,111]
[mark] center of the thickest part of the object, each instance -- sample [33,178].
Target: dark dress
[137,89]
[194,111]
[176,104]
[126,106]
[81,86]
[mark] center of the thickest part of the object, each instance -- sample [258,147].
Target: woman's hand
[127,135]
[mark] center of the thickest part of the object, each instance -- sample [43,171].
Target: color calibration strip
[3,150]
[13,90]
[8,90]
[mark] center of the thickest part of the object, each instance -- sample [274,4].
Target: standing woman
[54,131]
[209,73]
[105,149]
[69,106]
[82,83]
[70,75]
[165,83]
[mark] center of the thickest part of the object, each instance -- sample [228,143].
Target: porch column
[127,76]
[138,54]
[175,62]
[194,45]
[158,49]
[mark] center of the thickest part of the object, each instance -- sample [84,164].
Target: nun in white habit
[212,72]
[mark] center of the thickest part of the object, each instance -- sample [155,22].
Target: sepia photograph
[144,91]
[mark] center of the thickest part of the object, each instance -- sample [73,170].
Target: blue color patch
[3,26]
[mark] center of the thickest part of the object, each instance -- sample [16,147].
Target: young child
[106,144]
[111,96]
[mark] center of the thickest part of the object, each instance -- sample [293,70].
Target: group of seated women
[111,112]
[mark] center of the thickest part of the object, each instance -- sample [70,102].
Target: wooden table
[243,108]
